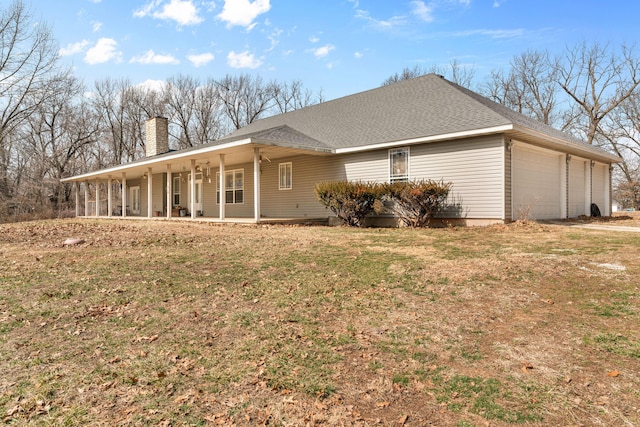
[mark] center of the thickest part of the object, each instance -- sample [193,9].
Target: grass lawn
[173,323]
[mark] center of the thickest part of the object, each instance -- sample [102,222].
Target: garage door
[537,183]
[600,188]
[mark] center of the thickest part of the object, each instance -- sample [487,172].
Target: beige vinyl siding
[508,215]
[159,192]
[577,187]
[369,166]
[300,201]
[600,187]
[475,167]
[209,206]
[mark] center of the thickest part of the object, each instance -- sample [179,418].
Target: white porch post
[169,193]
[97,197]
[123,210]
[192,188]
[149,193]
[222,188]
[564,177]
[76,187]
[109,207]
[86,198]
[256,184]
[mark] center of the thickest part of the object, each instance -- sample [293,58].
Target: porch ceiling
[180,161]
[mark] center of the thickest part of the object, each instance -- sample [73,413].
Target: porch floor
[247,221]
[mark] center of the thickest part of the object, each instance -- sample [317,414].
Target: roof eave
[585,150]
[426,139]
[161,159]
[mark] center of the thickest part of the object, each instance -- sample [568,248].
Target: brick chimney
[157,136]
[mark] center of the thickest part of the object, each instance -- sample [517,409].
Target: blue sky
[339,46]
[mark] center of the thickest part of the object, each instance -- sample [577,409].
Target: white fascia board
[585,149]
[160,160]
[434,138]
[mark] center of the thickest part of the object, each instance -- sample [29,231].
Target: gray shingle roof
[422,107]
[282,136]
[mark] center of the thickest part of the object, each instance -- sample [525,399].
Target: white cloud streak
[200,59]
[381,24]
[150,57]
[73,48]
[323,51]
[422,11]
[243,60]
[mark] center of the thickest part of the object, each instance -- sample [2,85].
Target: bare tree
[291,96]
[598,79]
[28,56]
[180,93]
[195,110]
[53,135]
[119,115]
[530,87]
[245,98]
[208,114]
[405,74]
[455,72]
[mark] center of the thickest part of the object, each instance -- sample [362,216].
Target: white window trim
[392,177]
[234,189]
[289,166]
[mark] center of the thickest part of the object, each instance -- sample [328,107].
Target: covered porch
[219,183]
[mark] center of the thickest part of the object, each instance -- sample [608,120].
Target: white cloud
[150,57]
[103,51]
[323,51]
[184,12]
[200,59]
[73,48]
[422,11]
[496,3]
[96,26]
[243,60]
[358,55]
[314,39]
[156,85]
[243,12]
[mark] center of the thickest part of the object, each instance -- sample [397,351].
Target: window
[399,165]
[285,176]
[134,199]
[176,191]
[233,187]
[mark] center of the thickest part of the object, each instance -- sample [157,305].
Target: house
[502,164]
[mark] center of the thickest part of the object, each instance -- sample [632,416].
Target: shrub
[350,201]
[415,202]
